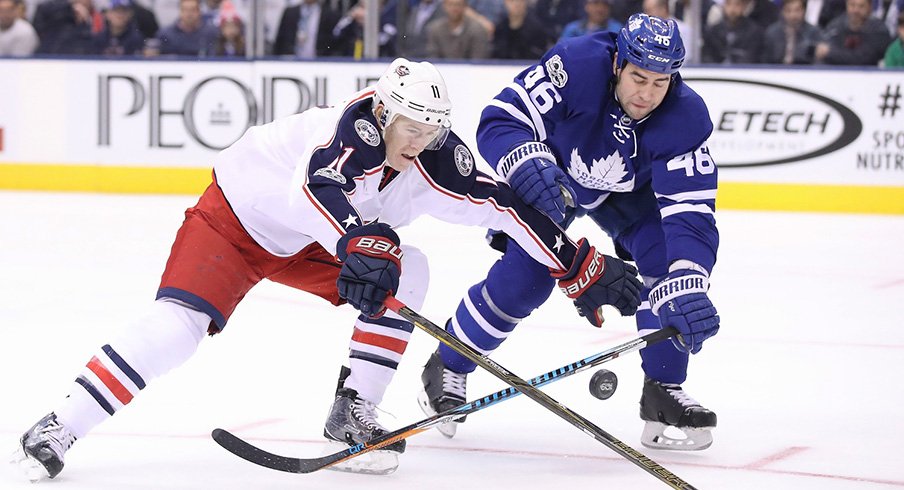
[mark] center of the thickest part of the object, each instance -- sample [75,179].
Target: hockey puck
[603,384]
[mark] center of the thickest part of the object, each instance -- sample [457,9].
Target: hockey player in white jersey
[312,201]
[608,118]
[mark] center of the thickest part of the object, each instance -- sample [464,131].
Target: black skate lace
[57,437]
[454,383]
[678,394]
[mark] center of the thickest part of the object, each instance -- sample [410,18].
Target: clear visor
[439,138]
[418,134]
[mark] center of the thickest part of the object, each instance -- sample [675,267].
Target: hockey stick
[258,456]
[540,397]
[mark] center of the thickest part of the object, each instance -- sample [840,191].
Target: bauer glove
[595,279]
[371,267]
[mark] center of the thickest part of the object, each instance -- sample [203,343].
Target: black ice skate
[353,420]
[664,405]
[443,389]
[41,449]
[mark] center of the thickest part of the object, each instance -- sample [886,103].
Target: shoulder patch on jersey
[463,160]
[367,132]
[555,69]
[331,173]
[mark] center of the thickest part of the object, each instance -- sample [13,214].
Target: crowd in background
[791,32]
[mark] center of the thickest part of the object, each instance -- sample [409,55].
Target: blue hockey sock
[514,287]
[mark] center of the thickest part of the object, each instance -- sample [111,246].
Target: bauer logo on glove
[374,246]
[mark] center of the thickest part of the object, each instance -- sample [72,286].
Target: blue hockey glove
[595,279]
[680,301]
[371,267]
[540,183]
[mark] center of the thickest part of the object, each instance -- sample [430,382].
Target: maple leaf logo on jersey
[605,174]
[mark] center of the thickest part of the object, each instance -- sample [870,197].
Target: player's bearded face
[405,140]
[640,91]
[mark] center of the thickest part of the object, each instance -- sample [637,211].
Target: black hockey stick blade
[260,457]
[254,454]
[535,394]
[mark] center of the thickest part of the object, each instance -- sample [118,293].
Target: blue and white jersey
[567,102]
[312,177]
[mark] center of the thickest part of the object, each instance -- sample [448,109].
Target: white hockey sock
[377,345]
[374,354]
[163,339]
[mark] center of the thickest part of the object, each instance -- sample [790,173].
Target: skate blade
[654,437]
[28,466]
[447,429]
[376,462]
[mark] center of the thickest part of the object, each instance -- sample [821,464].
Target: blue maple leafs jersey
[567,101]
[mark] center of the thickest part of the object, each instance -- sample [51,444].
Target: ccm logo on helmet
[376,246]
[658,58]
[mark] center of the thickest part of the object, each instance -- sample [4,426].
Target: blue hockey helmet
[651,43]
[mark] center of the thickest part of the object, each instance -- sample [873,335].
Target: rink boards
[790,140]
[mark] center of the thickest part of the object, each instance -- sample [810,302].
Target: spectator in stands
[457,35]
[660,8]
[596,18]
[894,55]
[735,39]
[829,11]
[791,40]
[188,36]
[888,12]
[492,10]
[554,14]
[210,12]
[306,30]
[145,20]
[17,36]
[484,21]
[854,38]
[231,39]
[120,36]
[348,34]
[763,12]
[67,26]
[413,44]
[622,9]
[519,35]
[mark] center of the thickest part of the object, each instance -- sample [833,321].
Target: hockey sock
[515,286]
[377,344]
[163,339]
[375,350]
[662,361]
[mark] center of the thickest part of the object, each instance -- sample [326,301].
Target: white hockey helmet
[418,92]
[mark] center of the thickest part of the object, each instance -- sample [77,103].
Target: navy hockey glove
[595,280]
[540,183]
[680,301]
[371,267]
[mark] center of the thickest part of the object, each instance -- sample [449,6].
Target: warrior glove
[540,183]
[680,301]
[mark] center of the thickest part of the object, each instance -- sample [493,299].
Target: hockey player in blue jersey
[604,127]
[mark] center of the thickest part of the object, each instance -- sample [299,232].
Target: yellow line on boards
[191,181]
[813,198]
[104,178]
